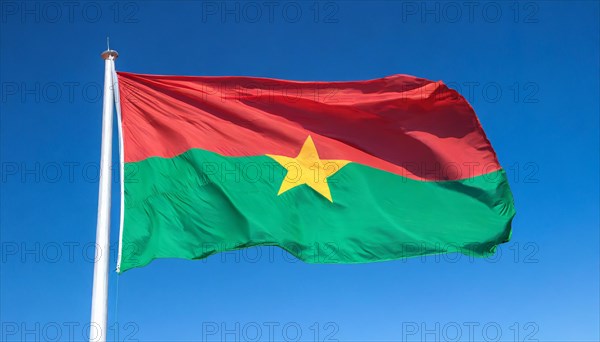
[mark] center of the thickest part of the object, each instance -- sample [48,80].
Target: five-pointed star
[307,168]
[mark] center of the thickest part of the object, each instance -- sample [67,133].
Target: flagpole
[99,317]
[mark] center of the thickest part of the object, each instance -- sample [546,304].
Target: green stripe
[200,203]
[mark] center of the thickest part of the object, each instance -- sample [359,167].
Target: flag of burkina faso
[332,172]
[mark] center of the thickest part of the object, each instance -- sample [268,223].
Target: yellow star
[308,169]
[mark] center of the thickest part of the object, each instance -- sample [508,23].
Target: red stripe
[402,124]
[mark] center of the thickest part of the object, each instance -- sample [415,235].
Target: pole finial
[109,54]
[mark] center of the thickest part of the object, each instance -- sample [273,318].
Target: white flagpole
[99,318]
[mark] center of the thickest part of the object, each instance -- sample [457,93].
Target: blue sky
[530,70]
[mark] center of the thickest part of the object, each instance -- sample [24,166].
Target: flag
[332,172]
